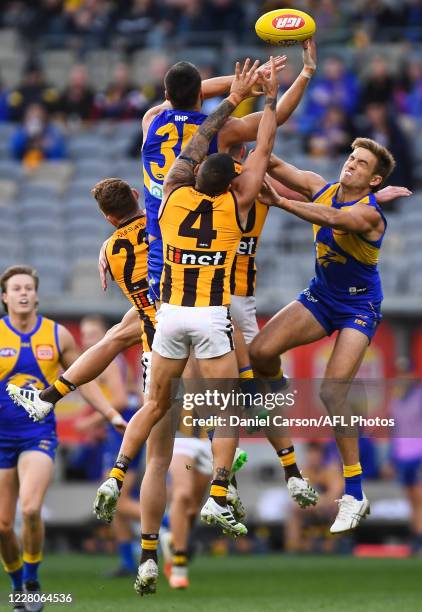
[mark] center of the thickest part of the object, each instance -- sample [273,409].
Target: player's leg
[9,546]
[224,443]
[414,495]
[35,470]
[293,326]
[345,360]
[182,473]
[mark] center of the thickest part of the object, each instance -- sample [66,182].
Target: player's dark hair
[14,271]
[385,161]
[215,174]
[183,85]
[115,197]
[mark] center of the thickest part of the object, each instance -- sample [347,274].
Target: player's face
[20,295]
[91,333]
[358,171]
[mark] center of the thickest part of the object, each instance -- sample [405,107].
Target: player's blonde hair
[385,161]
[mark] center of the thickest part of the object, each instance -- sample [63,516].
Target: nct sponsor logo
[247,246]
[195,258]
[288,22]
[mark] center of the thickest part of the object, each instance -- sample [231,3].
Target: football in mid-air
[285,26]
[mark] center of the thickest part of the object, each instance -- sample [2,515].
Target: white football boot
[106,500]
[233,500]
[30,400]
[146,580]
[350,513]
[301,492]
[214,514]
[179,578]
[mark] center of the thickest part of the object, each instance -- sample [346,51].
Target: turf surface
[246,583]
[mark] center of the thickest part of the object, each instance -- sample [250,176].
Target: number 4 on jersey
[205,234]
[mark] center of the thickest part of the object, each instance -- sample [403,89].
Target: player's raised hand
[391,193]
[244,80]
[269,82]
[268,194]
[309,55]
[279,61]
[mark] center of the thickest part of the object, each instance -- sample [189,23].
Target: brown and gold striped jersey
[200,237]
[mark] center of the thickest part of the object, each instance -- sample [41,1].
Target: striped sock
[118,472]
[149,544]
[353,480]
[287,458]
[219,490]
[31,563]
[180,558]
[15,571]
[57,390]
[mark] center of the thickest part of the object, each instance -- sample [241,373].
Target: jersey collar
[131,220]
[16,331]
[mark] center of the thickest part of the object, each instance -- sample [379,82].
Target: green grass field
[247,584]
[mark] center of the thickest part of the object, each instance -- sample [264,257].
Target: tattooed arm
[182,171]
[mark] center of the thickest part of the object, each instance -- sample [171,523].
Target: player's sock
[118,472]
[165,523]
[247,385]
[15,571]
[127,558]
[57,390]
[288,461]
[31,563]
[353,480]
[219,490]
[149,544]
[210,433]
[180,558]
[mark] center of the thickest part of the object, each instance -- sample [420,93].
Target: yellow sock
[61,387]
[117,474]
[246,372]
[218,490]
[288,458]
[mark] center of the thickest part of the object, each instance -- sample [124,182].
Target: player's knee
[258,353]
[6,527]
[31,513]
[182,497]
[331,393]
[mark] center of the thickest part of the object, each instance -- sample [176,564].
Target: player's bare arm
[182,171]
[247,186]
[91,392]
[303,181]
[246,128]
[359,218]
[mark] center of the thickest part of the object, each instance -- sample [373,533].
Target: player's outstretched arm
[247,186]
[91,392]
[304,182]
[182,171]
[359,218]
[246,128]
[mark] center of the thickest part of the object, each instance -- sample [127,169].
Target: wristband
[308,73]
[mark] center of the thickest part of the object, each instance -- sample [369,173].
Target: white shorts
[208,329]
[198,450]
[243,310]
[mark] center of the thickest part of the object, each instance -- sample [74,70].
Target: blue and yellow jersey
[27,359]
[346,263]
[168,133]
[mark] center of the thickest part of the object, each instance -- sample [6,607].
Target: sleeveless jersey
[346,263]
[200,237]
[167,135]
[27,359]
[243,272]
[126,253]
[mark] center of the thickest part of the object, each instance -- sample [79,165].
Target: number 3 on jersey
[205,233]
[168,146]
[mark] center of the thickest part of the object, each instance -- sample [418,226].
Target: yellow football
[285,26]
